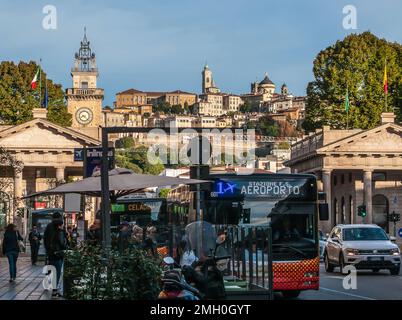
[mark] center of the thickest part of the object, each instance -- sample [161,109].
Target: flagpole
[347,104]
[386,92]
[40,83]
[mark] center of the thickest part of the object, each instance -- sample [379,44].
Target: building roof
[130,91]
[180,92]
[266,80]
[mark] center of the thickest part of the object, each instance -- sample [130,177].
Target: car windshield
[364,234]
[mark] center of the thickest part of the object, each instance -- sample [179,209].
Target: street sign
[400,232]
[93,160]
[78,154]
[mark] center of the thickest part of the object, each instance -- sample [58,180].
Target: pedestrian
[57,247]
[34,240]
[11,249]
[124,237]
[47,235]
[94,234]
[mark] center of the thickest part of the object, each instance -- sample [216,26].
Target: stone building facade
[355,167]
[46,151]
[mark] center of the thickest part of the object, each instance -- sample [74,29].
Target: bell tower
[206,79]
[84,99]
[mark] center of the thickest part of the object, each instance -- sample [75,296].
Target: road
[370,286]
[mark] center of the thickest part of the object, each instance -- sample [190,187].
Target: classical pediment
[383,139]
[42,134]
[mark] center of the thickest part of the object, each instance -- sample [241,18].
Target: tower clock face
[84,115]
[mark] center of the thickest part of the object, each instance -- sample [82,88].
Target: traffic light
[361,211]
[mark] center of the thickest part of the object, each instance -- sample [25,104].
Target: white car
[363,246]
[322,242]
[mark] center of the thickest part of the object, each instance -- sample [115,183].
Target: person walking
[34,240]
[11,249]
[57,244]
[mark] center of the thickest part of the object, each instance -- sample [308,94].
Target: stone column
[17,196]
[326,181]
[60,174]
[367,181]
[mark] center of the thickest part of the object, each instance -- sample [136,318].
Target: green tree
[164,192]
[283,145]
[357,63]
[177,109]
[17,99]
[246,107]
[125,143]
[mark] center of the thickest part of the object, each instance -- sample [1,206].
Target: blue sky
[160,45]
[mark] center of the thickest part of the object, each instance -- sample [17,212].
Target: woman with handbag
[12,243]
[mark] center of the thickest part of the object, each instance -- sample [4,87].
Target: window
[40,173]
[84,85]
[342,178]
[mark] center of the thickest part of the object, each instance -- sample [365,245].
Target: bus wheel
[290,294]
[328,266]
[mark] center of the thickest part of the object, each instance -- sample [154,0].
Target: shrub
[94,274]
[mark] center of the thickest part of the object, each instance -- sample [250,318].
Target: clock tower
[84,99]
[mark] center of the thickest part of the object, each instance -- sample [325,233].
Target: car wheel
[290,293]
[328,266]
[342,264]
[395,271]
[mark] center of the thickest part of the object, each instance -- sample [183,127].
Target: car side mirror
[323,211]
[393,239]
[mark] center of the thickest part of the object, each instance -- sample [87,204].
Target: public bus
[246,206]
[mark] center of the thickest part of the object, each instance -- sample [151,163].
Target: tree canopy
[17,98]
[355,64]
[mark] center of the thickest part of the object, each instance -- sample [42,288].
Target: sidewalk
[28,285]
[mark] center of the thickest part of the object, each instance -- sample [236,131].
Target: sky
[162,45]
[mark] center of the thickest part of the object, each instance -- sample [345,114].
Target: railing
[250,265]
[307,145]
[88,91]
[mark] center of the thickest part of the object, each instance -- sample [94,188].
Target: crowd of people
[56,240]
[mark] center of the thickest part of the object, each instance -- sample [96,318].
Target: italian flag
[34,82]
[385,81]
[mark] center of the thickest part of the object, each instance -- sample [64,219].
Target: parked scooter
[209,279]
[174,285]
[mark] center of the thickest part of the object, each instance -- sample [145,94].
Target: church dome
[266,80]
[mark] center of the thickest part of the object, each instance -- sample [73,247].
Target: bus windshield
[288,207]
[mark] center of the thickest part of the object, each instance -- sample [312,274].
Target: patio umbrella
[121,182]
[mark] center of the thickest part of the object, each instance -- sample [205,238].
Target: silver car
[363,246]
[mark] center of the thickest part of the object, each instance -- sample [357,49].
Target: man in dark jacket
[94,234]
[34,240]
[55,241]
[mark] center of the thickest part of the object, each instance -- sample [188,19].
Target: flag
[347,101]
[45,99]
[385,81]
[34,81]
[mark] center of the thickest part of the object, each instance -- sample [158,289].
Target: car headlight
[351,252]
[395,252]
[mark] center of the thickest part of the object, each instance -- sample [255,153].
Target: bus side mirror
[323,211]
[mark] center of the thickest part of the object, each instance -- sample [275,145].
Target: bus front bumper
[296,275]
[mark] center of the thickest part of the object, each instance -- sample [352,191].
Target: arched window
[351,210]
[381,211]
[335,213]
[343,211]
